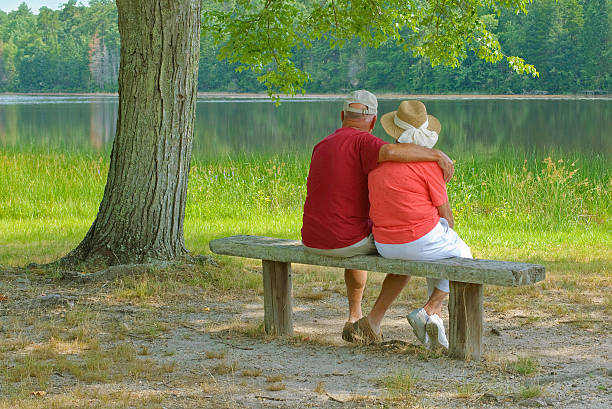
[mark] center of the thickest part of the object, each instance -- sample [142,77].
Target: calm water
[225,127]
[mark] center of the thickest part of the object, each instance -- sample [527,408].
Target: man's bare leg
[355,284]
[434,304]
[392,286]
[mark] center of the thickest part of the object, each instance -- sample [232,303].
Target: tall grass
[506,205]
[546,191]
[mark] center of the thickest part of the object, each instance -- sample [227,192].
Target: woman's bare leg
[392,286]
[434,304]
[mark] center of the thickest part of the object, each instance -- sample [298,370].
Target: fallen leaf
[3,297]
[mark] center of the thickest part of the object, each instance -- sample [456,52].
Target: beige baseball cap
[363,97]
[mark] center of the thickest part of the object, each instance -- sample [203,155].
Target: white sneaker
[417,319]
[434,328]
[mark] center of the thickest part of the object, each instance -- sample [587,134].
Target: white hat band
[419,136]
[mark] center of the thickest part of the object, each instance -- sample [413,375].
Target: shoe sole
[432,332]
[413,325]
[348,334]
[364,334]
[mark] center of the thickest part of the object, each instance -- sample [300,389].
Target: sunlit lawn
[509,207]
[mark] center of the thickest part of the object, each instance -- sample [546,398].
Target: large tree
[141,215]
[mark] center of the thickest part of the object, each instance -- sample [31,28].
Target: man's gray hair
[358,116]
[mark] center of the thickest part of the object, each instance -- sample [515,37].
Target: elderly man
[336,211]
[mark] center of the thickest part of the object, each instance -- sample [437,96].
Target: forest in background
[76,49]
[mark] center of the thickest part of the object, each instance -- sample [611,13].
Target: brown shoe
[349,332]
[365,335]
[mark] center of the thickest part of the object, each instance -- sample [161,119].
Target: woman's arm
[446,212]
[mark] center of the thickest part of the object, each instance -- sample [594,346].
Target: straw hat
[411,112]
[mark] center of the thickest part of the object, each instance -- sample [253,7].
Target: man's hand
[447,165]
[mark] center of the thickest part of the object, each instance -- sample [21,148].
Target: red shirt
[403,200]
[336,208]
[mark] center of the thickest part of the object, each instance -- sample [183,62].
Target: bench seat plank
[475,271]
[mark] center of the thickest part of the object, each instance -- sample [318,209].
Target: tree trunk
[141,215]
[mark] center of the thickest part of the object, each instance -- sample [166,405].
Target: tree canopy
[263,36]
[384,46]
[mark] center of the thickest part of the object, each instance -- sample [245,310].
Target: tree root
[121,270]
[202,259]
[110,273]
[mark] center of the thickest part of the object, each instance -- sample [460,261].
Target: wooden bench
[466,276]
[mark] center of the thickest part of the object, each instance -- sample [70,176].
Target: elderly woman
[411,216]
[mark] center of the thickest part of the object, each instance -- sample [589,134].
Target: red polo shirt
[336,211]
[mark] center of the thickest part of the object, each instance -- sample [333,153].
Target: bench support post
[278,310]
[465,320]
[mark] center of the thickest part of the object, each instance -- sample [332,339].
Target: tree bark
[140,218]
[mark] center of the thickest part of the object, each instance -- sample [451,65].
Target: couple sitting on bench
[366,196]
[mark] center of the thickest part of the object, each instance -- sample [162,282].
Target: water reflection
[565,125]
[102,123]
[226,127]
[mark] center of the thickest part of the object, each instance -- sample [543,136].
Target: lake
[226,126]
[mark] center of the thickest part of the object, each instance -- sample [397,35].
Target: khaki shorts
[364,246]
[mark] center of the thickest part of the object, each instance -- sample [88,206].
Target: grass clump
[275,387]
[215,354]
[310,294]
[29,367]
[399,385]
[526,366]
[532,391]
[252,373]
[123,352]
[225,368]
[468,390]
[320,388]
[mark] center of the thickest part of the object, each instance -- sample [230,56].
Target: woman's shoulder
[395,171]
[425,170]
[430,169]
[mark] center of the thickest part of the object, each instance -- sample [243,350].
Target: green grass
[507,205]
[467,390]
[526,366]
[532,391]
[399,385]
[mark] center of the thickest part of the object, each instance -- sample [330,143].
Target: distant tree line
[76,49]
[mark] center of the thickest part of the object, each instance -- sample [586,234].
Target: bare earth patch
[187,339]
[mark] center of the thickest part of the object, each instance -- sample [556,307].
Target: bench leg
[465,320]
[278,318]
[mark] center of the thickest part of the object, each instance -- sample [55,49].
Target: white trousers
[441,242]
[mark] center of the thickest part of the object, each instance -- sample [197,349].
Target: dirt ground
[215,354]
